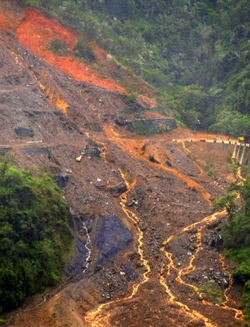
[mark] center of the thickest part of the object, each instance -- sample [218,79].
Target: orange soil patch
[3,23]
[35,31]
[133,147]
[153,115]
[146,101]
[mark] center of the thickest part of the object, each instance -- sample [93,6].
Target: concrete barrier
[239,151]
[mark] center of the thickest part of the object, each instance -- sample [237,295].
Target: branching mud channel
[190,265]
[99,317]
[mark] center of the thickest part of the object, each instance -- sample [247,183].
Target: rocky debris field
[147,249]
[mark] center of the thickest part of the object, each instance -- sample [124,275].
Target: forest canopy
[195,53]
[34,234]
[236,234]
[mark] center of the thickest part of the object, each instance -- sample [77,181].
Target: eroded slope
[156,190]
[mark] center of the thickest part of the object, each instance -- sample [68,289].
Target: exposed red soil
[3,23]
[167,208]
[36,31]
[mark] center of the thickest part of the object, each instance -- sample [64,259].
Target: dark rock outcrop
[35,150]
[118,189]
[80,259]
[61,181]
[24,132]
[112,236]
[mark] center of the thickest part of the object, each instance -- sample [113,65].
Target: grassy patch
[209,169]
[160,110]
[212,294]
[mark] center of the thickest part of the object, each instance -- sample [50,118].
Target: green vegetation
[232,166]
[195,53]
[83,51]
[160,110]
[142,127]
[209,168]
[34,234]
[236,235]
[131,97]
[57,46]
[178,122]
[211,293]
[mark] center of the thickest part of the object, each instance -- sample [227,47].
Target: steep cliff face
[140,206]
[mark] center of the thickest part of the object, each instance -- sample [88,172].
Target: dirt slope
[140,207]
[37,29]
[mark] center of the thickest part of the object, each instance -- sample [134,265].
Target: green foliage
[195,54]
[34,3]
[34,233]
[215,294]
[232,166]
[142,127]
[131,96]
[160,110]
[229,122]
[227,202]
[178,122]
[84,51]
[236,235]
[57,46]
[209,168]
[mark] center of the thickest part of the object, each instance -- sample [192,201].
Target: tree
[84,51]
[236,234]
[230,122]
[34,234]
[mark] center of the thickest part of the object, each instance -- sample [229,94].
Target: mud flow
[147,249]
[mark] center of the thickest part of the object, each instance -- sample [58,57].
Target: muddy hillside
[147,249]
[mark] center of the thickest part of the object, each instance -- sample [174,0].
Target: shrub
[131,96]
[84,51]
[209,168]
[57,46]
[236,237]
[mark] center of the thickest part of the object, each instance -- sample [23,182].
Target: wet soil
[164,271]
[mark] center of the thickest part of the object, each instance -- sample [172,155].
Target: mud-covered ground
[147,248]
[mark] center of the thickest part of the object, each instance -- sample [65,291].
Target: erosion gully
[101,316]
